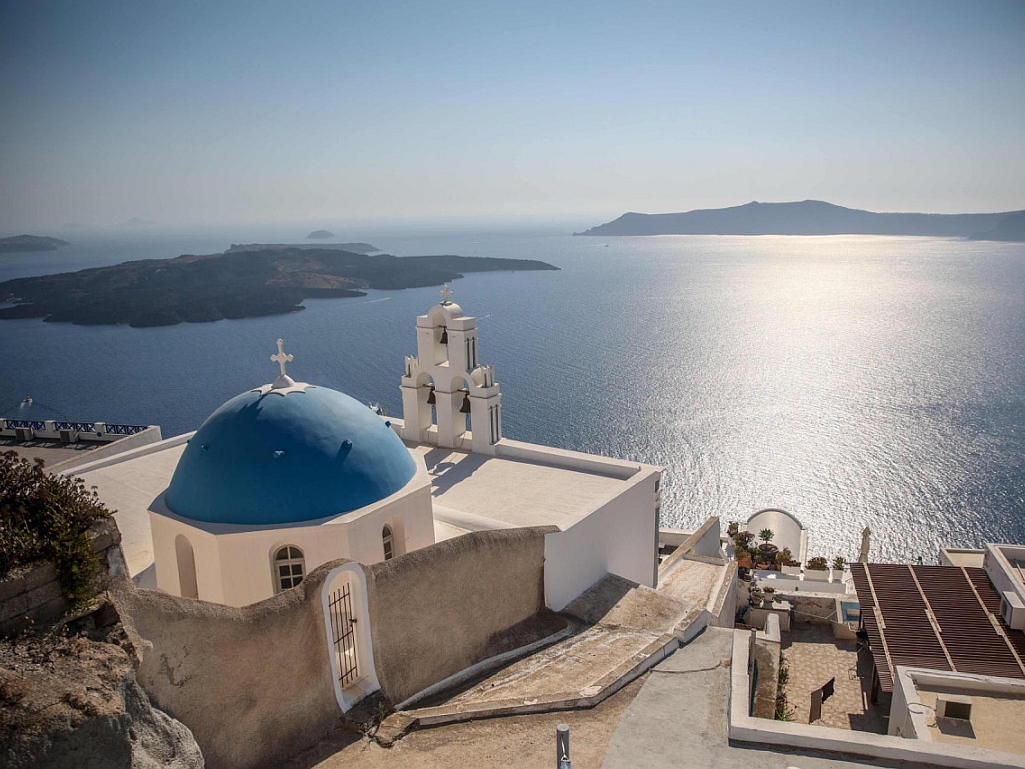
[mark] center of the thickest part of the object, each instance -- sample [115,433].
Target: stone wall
[253,684]
[33,595]
[436,611]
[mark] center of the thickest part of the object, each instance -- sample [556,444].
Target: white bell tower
[446,379]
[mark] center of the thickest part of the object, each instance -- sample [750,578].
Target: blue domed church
[280,479]
[288,476]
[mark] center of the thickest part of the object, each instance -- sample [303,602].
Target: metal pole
[562,746]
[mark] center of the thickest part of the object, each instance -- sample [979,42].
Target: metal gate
[343,628]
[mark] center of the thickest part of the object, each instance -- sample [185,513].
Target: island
[356,248]
[807,217]
[1011,228]
[235,284]
[321,235]
[21,244]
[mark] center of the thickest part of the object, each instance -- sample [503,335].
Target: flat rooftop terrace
[474,490]
[992,714]
[128,488]
[52,453]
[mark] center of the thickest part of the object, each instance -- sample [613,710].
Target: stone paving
[814,656]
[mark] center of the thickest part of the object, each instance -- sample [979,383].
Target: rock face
[70,699]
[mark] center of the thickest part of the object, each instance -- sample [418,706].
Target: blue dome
[268,459]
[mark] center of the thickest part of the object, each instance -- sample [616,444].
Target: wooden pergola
[934,617]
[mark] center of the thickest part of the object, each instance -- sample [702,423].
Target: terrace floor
[814,656]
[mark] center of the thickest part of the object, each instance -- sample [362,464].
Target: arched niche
[185,557]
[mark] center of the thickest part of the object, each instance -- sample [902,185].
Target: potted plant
[786,562]
[767,550]
[769,594]
[817,570]
[732,529]
[838,566]
[755,596]
[743,539]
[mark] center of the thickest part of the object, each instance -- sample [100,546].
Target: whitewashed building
[287,476]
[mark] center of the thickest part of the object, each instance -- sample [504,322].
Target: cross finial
[282,357]
[446,294]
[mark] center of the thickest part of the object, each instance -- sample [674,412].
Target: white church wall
[206,555]
[618,538]
[247,559]
[417,526]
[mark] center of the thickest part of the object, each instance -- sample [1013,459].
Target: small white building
[287,476]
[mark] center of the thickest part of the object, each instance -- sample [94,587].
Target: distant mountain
[26,243]
[1011,227]
[808,217]
[321,235]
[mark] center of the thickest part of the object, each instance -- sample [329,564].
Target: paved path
[814,656]
[679,718]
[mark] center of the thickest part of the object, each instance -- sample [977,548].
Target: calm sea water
[851,380]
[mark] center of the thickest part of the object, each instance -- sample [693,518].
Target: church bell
[430,397]
[465,408]
[444,335]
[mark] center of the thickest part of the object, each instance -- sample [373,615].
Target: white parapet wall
[909,716]
[618,538]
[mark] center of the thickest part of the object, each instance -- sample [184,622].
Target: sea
[851,380]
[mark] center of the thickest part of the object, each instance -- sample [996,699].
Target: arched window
[289,567]
[389,549]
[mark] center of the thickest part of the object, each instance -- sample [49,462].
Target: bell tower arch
[444,383]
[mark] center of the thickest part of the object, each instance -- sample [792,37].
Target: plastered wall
[441,609]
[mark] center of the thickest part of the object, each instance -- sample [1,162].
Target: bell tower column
[451,422]
[485,411]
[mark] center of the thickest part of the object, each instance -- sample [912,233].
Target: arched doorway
[186,558]
[347,622]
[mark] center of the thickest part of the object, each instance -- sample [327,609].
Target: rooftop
[938,618]
[52,452]
[129,488]
[473,491]
[991,715]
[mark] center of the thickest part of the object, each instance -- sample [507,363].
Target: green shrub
[44,517]
[818,564]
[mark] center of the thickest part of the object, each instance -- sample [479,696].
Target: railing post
[562,746]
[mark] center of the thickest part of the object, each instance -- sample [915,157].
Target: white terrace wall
[436,611]
[620,538]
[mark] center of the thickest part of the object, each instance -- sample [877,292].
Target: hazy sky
[224,112]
